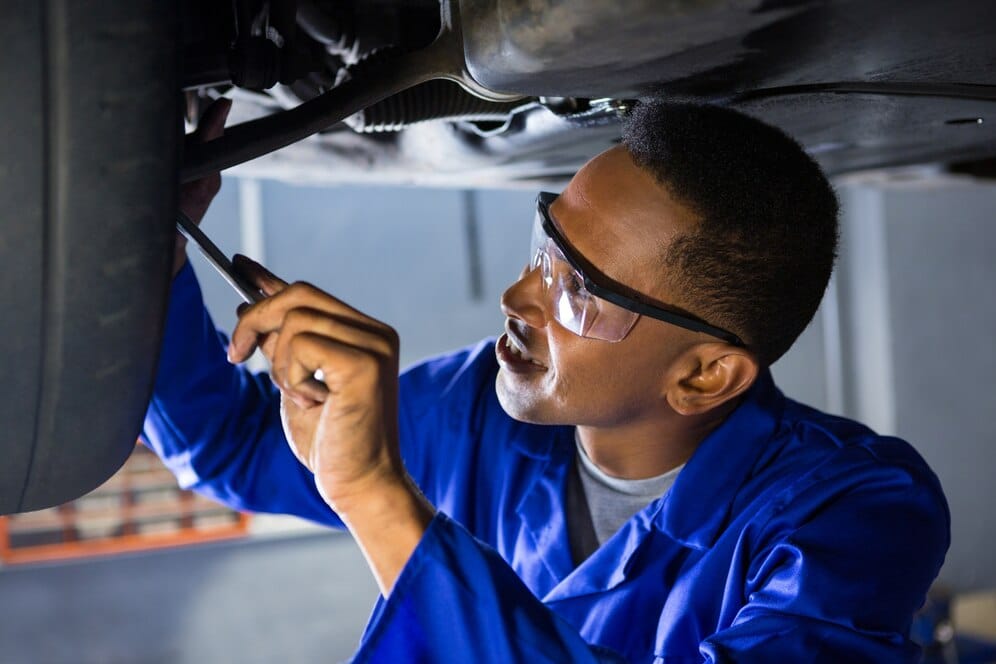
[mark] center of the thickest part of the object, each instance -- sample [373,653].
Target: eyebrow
[580,262]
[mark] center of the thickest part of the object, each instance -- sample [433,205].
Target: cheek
[602,389]
[623,375]
[589,372]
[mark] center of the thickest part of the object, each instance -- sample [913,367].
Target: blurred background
[142,572]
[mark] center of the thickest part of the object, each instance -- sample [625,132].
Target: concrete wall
[941,261]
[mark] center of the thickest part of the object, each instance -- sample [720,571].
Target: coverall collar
[699,502]
[691,514]
[701,498]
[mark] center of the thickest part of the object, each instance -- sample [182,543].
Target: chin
[518,405]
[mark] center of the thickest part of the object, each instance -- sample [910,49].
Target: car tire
[88,185]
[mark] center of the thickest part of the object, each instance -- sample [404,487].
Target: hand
[344,427]
[196,196]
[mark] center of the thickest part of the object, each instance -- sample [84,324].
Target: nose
[524,299]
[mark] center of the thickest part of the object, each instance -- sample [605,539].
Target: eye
[573,282]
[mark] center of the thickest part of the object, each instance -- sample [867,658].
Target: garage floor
[298,599]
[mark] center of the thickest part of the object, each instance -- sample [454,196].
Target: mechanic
[617,478]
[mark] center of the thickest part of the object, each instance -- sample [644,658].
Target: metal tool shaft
[218,260]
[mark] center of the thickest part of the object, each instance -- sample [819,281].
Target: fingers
[302,330]
[196,196]
[269,284]
[341,365]
[258,275]
[268,316]
[212,123]
[312,323]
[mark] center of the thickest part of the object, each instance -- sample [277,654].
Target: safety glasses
[583,306]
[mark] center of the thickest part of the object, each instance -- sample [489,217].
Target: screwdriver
[213,254]
[217,259]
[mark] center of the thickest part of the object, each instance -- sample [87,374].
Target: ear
[709,375]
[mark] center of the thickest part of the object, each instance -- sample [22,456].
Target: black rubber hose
[433,100]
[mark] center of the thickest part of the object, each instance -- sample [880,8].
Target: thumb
[265,280]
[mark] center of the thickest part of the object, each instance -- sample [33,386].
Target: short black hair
[759,260]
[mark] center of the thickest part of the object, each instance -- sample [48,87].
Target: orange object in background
[141,507]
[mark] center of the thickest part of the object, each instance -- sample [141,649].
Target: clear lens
[569,302]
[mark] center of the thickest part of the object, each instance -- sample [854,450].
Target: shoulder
[858,526]
[826,446]
[834,471]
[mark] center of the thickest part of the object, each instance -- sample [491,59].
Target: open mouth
[511,355]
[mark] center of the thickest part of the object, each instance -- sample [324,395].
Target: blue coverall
[789,536]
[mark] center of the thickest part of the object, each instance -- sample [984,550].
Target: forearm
[215,425]
[388,525]
[198,396]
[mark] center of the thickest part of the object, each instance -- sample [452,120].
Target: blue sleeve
[456,600]
[217,426]
[841,586]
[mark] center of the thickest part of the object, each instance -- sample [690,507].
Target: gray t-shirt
[613,500]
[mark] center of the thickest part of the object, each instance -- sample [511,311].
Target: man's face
[621,221]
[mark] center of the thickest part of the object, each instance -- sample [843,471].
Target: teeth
[512,347]
[518,353]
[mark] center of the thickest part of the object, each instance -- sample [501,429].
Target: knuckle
[296,344]
[301,345]
[246,320]
[382,346]
[297,289]
[388,341]
[296,318]
[310,290]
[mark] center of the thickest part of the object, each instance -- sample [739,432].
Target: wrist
[379,499]
[388,524]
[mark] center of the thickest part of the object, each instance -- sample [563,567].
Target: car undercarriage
[523,92]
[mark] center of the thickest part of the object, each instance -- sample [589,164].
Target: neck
[647,448]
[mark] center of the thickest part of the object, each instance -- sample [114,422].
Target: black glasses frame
[543,202]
